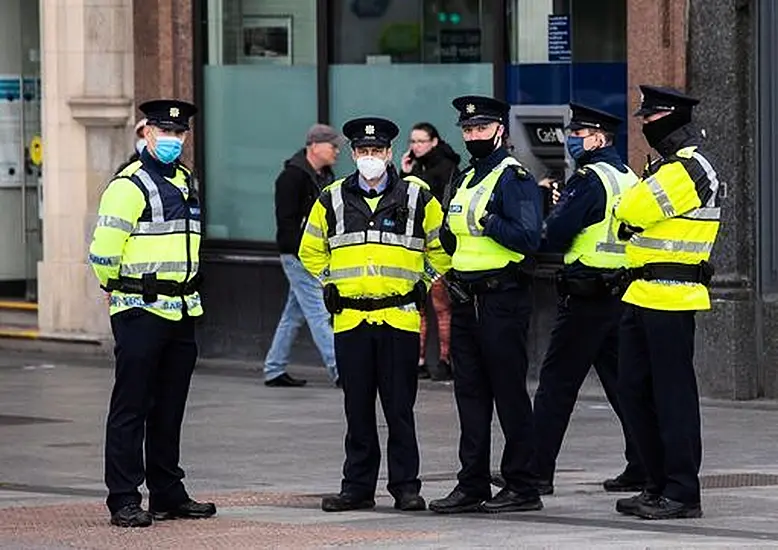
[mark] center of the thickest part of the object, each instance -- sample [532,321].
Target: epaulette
[584,171]
[129,170]
[686,152]
[520,171]
[414,180]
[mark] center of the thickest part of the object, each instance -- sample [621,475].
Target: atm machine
[537,133]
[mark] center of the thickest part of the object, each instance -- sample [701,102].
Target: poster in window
[267,40]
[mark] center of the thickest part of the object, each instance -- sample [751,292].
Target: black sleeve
[288,199]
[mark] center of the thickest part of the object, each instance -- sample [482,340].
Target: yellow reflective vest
[677,207]
[375,247]
[598,244]
[148,224]
[475,251]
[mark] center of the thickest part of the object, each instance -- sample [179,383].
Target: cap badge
[470,108]
[370,130]
[175,112]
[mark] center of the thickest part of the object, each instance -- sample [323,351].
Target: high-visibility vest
[475,251]
[148,224]
[597,245]
[374,247]
[678,208]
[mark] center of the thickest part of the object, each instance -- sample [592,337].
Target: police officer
[586,331]
[493,223]
[671,219]
[145,253]
[368,239]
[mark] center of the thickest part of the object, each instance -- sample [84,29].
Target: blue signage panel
[559,48]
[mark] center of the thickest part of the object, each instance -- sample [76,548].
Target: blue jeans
[305,303]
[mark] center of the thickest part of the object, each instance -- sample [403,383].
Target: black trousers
[585,334]
[489,350]
[379,360]
[658,393]
[155,359]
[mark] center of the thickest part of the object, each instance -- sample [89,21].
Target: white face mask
[371,167]
[140,145]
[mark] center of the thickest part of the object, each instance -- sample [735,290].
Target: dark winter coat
[438,168]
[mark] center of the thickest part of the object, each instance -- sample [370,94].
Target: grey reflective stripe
[165,228]
[373,271]
[611,247]
[345,273]
[704,213]
[337,207]
[373,236]
[157,267]
[669,245]
[155,201]
[661,197]
[471,208]
[346,239]
[714,179]
[313,230]
[433,234]
[607,169]
[114,222]
[414,243]
[413,199]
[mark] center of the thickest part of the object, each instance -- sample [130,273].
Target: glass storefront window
[407,60]
[260,97]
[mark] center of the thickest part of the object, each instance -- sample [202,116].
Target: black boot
[457,502]
[624,483]
[343,502]
[508,500]
[665,508]
[443,372]
[629,506]
[410,502]
[188,510]
[131,515]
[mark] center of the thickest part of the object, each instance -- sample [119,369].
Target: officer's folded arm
[515,219]
[121,205]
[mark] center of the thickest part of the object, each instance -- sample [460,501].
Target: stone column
[87,76]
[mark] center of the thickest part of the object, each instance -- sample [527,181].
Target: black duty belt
[510,277]
[685,273]
[335,303]
[150,287]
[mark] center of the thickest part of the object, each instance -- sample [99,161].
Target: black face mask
[657,131]
[482,148]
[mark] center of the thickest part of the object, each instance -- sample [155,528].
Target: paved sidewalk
[266,455]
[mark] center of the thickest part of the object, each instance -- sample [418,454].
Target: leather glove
[625,231]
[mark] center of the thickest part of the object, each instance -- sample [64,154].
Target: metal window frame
[767,145]
[324,48]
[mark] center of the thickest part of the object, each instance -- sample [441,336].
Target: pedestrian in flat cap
[302,180]
[145,253]
[492,225]
[669,221]
[373,240]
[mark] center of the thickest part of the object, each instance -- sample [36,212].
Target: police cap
[582,117]
[657,99]
[170,114]
[370,132]
[474,109]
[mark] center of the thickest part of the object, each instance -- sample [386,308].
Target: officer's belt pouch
[701,273]
[512,276]
[586,287]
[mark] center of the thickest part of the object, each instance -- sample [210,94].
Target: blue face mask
[575,146]
[168,148]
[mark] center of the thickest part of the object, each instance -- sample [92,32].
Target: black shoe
[188,510]
[623,483]
[443,372]
[343,502]
[544,487]
[508,500]
[285,381]
[498,481]
[424,371]
[410,502]
[457,502]
[629,506]
[665,508]
[131,515]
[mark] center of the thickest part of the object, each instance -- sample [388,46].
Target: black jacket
[438,168]
[297,188]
